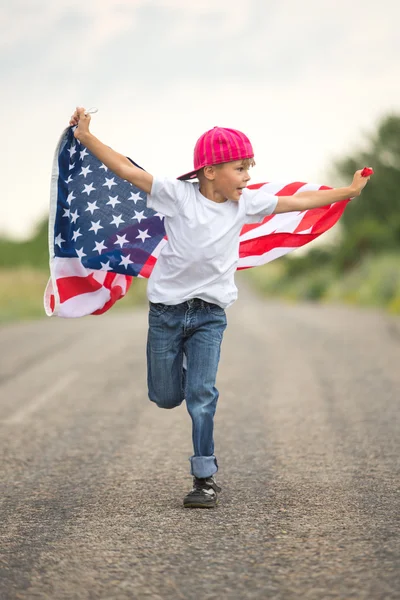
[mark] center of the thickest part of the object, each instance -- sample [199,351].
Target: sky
[307,81]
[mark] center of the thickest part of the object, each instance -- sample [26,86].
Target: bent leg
[165,373]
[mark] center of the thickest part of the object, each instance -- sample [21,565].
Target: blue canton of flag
[101,219]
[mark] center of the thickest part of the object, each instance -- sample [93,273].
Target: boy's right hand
[82,120]
[360,181]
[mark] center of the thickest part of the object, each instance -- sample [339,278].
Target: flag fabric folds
[101,233]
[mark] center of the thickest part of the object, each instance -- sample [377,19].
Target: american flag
[101,232]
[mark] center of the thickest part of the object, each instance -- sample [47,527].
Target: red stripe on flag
[148,266]
[330,217]
[261,245]
[68,287]
[250,226]
[288,190]
[255,186]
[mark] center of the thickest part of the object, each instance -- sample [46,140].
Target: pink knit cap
[219,145]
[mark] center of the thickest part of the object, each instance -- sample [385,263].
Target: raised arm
[317,198]
[117,163]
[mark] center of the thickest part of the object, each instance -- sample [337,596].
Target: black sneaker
[203,495]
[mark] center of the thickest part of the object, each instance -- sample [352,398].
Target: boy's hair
[247,163]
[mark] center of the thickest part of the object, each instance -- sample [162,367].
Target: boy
[192,282]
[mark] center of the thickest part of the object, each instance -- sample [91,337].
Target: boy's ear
[209,172]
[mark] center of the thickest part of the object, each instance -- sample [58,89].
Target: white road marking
[41,399]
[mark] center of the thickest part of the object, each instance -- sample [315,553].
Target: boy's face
[230,179]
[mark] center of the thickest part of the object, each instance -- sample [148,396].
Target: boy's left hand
[359,183]
[82,119]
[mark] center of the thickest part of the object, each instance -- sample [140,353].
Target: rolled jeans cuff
[203,466]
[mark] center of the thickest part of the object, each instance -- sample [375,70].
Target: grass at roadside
[22,289]
[21,294]
[374,282]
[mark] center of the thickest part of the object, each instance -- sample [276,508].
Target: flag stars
[109,183]
[74,216]
[80,253]
[135,197]
[70,197]
[99,247]
[126,261]
[71,166]
[121,240]
[83,153]
[91,207]
[143,235]
[58,240]
[76,234]
[113,200]
[67,212]
[106,266]
[85,171]
[117,220]
[159,215]
[67,181]
[72,150]
[103,167]
[96,226]
[139,216]
[88,189]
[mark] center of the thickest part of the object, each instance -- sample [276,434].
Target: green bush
[374,281]
[32,253]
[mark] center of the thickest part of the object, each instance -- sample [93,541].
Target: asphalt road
[307,437]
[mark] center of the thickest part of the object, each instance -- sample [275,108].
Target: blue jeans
[195,329]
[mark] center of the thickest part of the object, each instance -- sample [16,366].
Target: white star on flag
[99,247]
[85,171]
[70,167]
[83,153]
[103,167]
[67,181]
[109,183]
[135,197]
[76,234]
[159,215]
[70,197]
[72,151]
[121,240]
[105,266]
[58,240]
[66,212]
[74,216]
[92,206]
[139,216]
[113,201]
[88,189]
[95,226]
[117,220]
[143,235]
[126,261]
[80,253]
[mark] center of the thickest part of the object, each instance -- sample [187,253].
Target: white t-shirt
[200,258]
